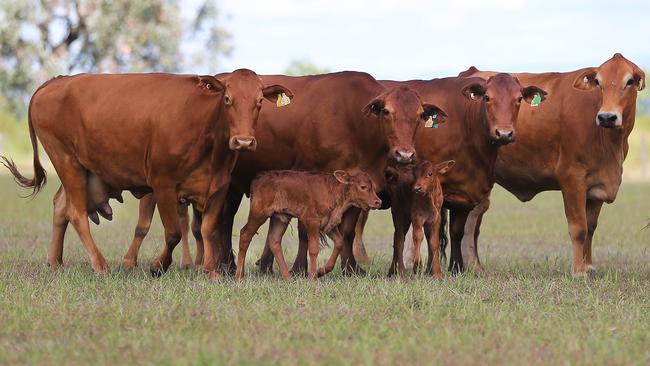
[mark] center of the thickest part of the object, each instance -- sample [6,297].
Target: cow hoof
[213,275]
[101,268]
[591,272]
[354,271]
[129,263]
[186,266]
[156,272]
[298,272]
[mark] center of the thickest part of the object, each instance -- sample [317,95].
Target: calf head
[399,112]
[427,175]
[360,189]
[243,95]
[500,97]
[618,80]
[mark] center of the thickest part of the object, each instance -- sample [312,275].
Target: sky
[404,39]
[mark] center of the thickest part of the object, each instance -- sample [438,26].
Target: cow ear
[210,84]
[474,91]
[435,112]
[342,176]
[586,80]
[271,92]
[376,106]
[530,92]
[444,167]
[639,77]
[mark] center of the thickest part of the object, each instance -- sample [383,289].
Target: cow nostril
[607,117]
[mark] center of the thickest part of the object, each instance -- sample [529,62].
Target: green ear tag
[435,125]
[537,99]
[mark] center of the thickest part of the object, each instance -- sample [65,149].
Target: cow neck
[477,131]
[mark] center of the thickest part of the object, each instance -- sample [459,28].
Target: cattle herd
[325,150]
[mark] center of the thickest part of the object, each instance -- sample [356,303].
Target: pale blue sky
[401,39]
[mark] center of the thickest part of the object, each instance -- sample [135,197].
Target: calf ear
[210,84]
[474,91]
[443,168]
[639,76]
[437,114]
[374,107]
[530,92]
[342,176]
[586,80]
[469,72]
[271,92]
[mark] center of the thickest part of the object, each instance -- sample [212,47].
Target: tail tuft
[36,183]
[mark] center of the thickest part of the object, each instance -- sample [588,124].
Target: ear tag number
[429,123]
[283,100]
[537,99]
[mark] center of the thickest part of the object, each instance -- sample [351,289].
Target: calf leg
[197,218]
[146,208]
[401,223]
[470,236]
[277,227]
[59,226]
[593,211]
[245,236]
[433,239]
[418,236]
[336,236]
[168,209]
[314,247]
[184,221]
[347,228]
[300,264]
[457,229]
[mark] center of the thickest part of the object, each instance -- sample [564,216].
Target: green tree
[304,67]
[40,39]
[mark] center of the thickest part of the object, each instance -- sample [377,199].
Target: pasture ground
[524,309]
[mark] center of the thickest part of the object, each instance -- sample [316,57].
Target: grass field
[524,309]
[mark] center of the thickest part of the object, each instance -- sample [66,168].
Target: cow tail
[40,175]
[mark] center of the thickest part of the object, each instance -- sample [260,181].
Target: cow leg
[336,236]
[245,236]
[233,200]
[197,218]
[347,229]
[59,226]
[166,199]
[470,236]
[300,264]
[418,236]
[73,179]
[358,247]
[211,217]
[457,229]
[277,228]
[147,206]
[593,211]
[184,221]
[575,202]
[313,231]
[400,223]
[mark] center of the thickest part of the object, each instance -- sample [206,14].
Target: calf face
[243,94]
[360,189]
[400,111]
[618,80]
[426,175]
[501,96]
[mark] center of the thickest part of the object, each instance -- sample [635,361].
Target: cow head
[243,95]
[427,173]
[500,97]
[618,80]
[360,189]
[400,111]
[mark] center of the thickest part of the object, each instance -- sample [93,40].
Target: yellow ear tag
[429,122]
[283,100]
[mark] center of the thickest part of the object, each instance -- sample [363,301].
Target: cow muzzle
[503,137]
[243,142]
[609,120]
[404,156]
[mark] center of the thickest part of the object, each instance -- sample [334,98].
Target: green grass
[524,309]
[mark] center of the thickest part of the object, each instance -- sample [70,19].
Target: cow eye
[259,102]
[364,188]
[487,98]
[429,174]
[227,100]
[597,82]
[520,99]
[630,82]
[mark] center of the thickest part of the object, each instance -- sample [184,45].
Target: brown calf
[318,200]
[419,191]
